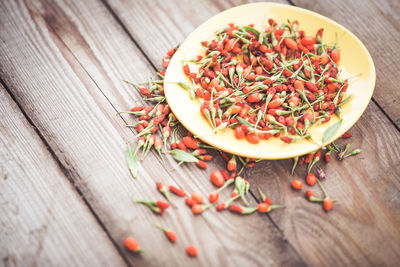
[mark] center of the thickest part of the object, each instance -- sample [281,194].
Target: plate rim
[313,146]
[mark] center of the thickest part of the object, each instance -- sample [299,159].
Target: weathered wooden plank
[54,60]
[323,239]
[43,219]
[363,229]
[158,26]
[377,26]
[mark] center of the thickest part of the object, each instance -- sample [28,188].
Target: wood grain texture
[73,105]
[378,27]
[41,214]
[158,26]
[366,211]
[363,228]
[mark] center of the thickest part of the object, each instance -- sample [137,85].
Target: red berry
[131,244]
[311,179]
[268,200]
[309,194]
[171,235]
[253,138]
[197,208]
[191,250]
[162,204]
[217,178]
[297,184]
[328,204]
[190,202]
[239,133]
[197,198]
[290,43]
[335,55]
[263,207]
[213,197]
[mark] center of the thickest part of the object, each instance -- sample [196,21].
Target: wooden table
[65,190]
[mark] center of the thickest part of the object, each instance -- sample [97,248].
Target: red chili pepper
[346,135]
[201,164]
[328,156]
[186,69]
[242,210]
[232,165]
[163,190]
[239,133]
[225,174]
[162,204]
[309,158]
[197,208]
[169,233]
[156,206]
[138,108]
[177,191]
[190,142]
[181,145]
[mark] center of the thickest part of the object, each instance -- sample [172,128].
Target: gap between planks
[253,195]
[68,174]
[123,27]
[65,172]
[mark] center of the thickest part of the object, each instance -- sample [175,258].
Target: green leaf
[183,156]
[330,132]
[243,121]
[345,100]
[251,29]
[131,160]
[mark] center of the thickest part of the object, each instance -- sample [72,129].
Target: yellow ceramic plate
[355,59]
